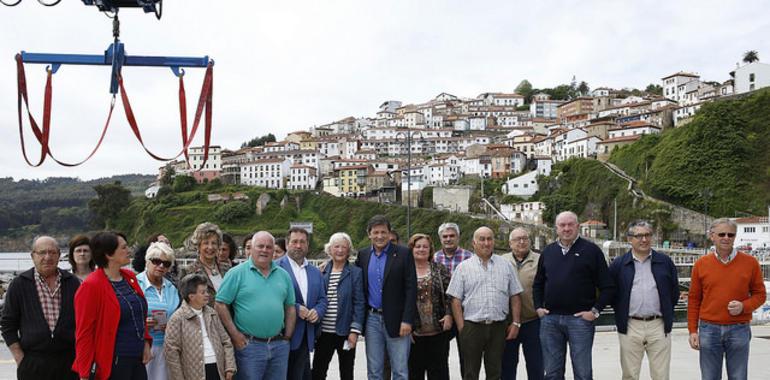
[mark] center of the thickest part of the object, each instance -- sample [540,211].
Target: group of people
[262,318]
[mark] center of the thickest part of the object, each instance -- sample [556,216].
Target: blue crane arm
[114,56]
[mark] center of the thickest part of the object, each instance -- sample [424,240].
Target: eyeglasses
[160,262]
[520,239]
[641,236]
[49,252]
[728,234]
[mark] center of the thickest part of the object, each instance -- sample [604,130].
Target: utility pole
[615,222]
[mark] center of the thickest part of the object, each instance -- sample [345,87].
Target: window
[751,77]
[749,229]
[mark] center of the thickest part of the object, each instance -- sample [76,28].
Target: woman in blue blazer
[344,318]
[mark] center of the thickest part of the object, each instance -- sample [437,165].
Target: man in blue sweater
[571,287]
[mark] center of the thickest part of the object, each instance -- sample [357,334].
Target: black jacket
[23,321]
[399,287]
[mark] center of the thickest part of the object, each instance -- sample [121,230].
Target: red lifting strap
[43,135]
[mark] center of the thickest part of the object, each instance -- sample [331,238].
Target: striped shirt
[50,300]
[329,322]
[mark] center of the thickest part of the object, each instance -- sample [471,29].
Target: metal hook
[179,72]
[53,68]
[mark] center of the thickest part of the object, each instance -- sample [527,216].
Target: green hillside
[54,205]
[589,189]
[720,159]
[177,214]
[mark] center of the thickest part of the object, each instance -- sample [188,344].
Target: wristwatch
[517,324]
[595,312]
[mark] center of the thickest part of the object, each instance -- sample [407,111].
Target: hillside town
[392,156]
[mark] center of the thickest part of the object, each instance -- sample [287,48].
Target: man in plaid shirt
[451,255]
[43,346]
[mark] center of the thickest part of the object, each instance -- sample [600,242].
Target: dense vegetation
[176,215]
[54,204]
[589,189]
[720,159]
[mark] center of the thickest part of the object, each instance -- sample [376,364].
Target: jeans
[377,343]
[262,360]
[529,340]
[556,331]
[724,342]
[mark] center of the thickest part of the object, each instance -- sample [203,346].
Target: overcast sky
[286,66]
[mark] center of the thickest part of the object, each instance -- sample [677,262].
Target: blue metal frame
[114,56]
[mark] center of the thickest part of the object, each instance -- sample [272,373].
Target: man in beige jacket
[525,261]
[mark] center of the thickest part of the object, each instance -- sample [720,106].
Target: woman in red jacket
[111,337]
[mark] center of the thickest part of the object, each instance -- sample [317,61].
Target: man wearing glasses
[38,322]
[525,262]
[726,288]
[647,289]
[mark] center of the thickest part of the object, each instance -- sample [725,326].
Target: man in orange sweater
[726,287]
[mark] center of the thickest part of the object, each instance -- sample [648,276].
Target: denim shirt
[167,300]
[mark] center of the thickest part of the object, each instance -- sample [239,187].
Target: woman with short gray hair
[162,301]
[197,345]
[207,240]
[344,318]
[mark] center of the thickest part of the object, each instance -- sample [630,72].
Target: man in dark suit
[390,290]
[310,294]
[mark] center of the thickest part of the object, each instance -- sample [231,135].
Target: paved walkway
[684,364]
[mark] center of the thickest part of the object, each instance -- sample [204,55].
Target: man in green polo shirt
[262,298]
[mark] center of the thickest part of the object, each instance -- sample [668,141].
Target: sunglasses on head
[728,234]
[159,262]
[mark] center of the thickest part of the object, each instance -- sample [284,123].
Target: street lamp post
[408,135]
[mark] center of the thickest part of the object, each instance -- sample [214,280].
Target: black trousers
[429,354]
[299,363]
[325,347]
[51,366]
[483,341]
[211,371]
[128,368]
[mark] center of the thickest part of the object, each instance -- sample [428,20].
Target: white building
[750,77]
[543,164]
[753,232]
[523,186]
[676,85]
[582,148]
[633,129]
[302,177]
[525,212]
[265,173]
[214,161]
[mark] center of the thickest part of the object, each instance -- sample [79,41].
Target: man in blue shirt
[310,296]
[390,291]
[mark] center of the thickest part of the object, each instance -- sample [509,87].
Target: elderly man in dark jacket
[647,289]
[38,322]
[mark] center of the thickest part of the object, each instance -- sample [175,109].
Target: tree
[583,88]
[183,183]
[259,141]
[111,199]
[168,176]
[750,56]
[654,89]
[525,89]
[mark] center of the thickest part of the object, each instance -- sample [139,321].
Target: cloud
[284,66]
